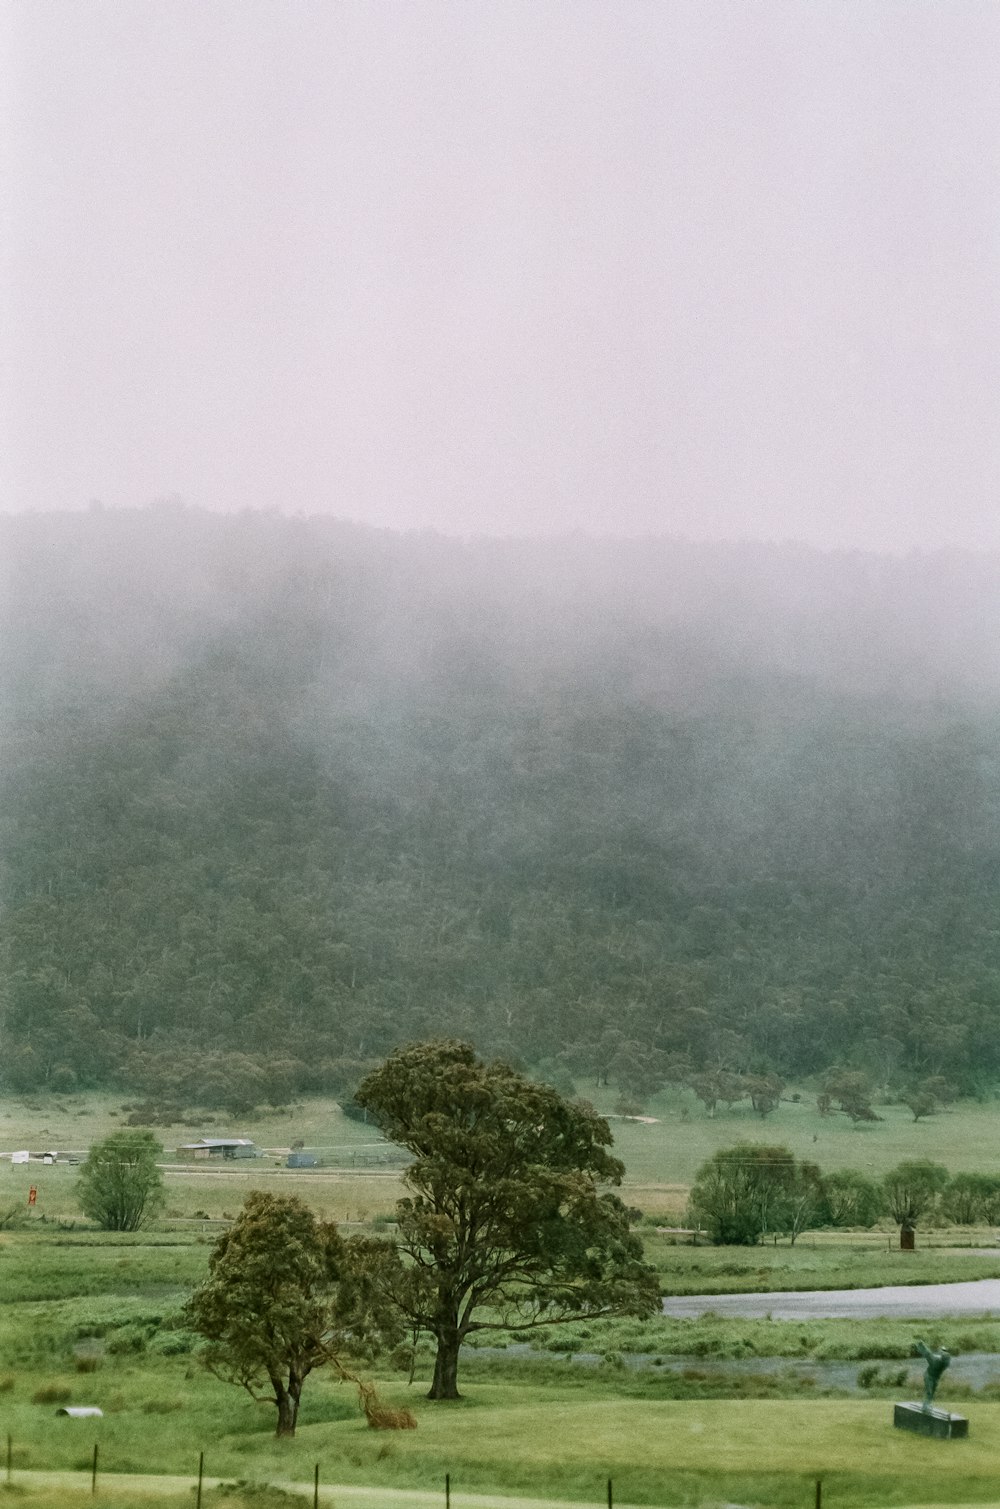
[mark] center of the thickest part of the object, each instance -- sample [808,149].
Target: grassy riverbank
[824,1260]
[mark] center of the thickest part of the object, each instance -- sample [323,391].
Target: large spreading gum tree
[511,1221]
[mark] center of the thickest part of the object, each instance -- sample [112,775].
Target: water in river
[921,1301]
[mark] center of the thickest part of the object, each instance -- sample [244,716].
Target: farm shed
[303,1160]
[219,1147]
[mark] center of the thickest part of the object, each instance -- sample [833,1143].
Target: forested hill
[280,793]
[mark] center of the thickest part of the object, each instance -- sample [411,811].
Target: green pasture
[557,1432]
[56,1286]
[669,1150]
[537,1442]
[661,1155]
[351,1189]
[540,1428]
[74,1121]
[824,1260]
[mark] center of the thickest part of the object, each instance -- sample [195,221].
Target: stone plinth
[930,1422]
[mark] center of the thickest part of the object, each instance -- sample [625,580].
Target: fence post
[819,1493]
[93,1472]
[201,1474]
[10,1460]
[316,1487]
[447,1490]
[611,1497]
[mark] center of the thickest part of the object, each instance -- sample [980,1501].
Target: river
[895,1301]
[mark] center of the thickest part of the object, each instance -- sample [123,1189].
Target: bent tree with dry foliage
[510,1223]
[285,1294]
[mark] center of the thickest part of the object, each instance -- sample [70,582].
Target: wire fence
[604,1493]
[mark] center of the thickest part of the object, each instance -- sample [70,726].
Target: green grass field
[825,1260]
[556,1433]
[670,1151]
[661,1157]
[545,1429]
[537,1442]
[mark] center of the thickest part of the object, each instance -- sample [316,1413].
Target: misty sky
[721,269]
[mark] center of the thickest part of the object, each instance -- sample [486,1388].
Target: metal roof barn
[219,1147]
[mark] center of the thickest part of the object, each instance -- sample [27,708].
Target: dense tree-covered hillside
[279,794]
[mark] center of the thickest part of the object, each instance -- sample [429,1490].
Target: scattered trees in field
[120,1185]
[509,1223]
[928,1095]
[910,1191]
[850,1091]
[971,1198]
[724,1086]
[285,1295]
[744,1191]
[851,1198]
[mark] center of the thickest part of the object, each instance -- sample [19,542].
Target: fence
[446,1487]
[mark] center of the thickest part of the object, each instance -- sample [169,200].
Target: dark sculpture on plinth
[936,1364]
[924,1419]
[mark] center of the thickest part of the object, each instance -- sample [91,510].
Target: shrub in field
[381,1416]
[911,1191]
[851,1198]
[88,1353]
[970,1198]
[743,1191]
[127,1341]
[173,1343]
[52,1393]
[245,1495]
[120,1186]
[872,1376]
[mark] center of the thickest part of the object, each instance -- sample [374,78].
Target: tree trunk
[287,1400]
[907,1237]
[445,1384]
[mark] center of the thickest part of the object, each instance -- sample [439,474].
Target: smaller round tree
[743,1191]
[910,1191]
[120,1185]
[285,1295]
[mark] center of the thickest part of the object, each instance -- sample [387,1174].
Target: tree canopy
[316,791]
[284,1295]
[120,1185]
[509,1222]
[910,1190]
[743,1191]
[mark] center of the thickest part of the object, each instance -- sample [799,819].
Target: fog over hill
[281,792]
